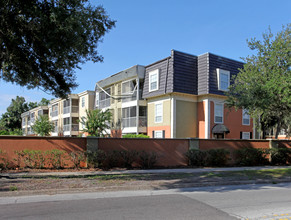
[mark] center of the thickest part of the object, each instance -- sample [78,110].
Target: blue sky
[147,30]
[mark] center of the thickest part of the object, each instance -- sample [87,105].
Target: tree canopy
[263,86]
[42,126]
[42,42]
[11,119]
[97,122]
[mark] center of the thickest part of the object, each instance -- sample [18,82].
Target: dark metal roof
[220,129]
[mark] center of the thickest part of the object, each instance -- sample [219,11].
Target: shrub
[113,159]
[128,157]
[55,158]
[96,159]
[196,157]
[251,156]
[217,157]
[280,156]
[4,163]
[77,157]
[135,136]
[148,160]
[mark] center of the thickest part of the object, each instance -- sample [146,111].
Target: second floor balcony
[71,127]
[55,113]
[104,103]
[131,122]
[71,109]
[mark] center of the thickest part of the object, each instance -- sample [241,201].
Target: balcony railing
[55,113]
[142,122]
[133,97]
[104,103]
[129,122]
[71,109]
[71,127]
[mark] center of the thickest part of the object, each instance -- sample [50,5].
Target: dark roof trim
[158,61]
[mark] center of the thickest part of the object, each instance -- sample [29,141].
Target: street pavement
[255,201]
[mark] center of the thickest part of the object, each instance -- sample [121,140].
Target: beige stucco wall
[166,112]
[186,119]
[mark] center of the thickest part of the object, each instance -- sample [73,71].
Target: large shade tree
[263,86]
[42,42]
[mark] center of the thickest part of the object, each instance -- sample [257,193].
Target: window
[218,113]
[153,80]
[246,135]
[158,112]
[83,102]
[158,134]
[245,117]
[223,79]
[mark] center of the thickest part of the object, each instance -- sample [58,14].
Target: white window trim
[150,74]
[243,113]
[219,71]
[162,110]
[246,133]
[222,113]
[159,131]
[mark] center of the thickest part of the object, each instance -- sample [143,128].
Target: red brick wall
[170,152]
[10,144]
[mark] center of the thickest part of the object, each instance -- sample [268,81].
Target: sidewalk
[153,171]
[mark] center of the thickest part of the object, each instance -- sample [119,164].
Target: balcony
[71,109]
[129,122]
[55,113]
[71,127]
[131,97]
[142,122]
[104,103]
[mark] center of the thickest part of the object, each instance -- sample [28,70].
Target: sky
[147,30]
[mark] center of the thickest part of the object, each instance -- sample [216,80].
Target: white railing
[129,122]
[104,103]
[71,127]
[55,113]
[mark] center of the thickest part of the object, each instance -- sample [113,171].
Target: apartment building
[66,114]
[29,117]
[180,96]
[185,97]
[121,94]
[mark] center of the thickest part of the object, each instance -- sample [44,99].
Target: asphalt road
[225,202]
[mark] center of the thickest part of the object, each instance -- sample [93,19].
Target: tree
[43,126]
[263,86]
[11,119]
[97,122]
[43,102]
[43,42]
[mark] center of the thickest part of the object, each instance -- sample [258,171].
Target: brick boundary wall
[10,144]
[170,152]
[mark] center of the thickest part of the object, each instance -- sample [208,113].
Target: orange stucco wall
[232,120]
[10,144]
[201,119]
[170,152]
[160,128]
